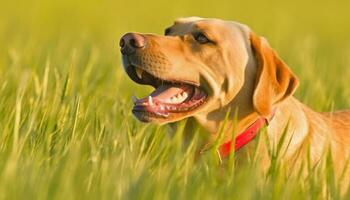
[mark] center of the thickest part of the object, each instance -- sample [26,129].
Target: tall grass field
[66,128]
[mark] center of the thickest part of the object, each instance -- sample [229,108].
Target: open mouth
[169,97]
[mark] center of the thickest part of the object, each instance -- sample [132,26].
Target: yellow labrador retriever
[204,68]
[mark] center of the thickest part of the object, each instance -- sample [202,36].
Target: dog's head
[200,65]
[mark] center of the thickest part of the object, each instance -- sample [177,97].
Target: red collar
[245,137]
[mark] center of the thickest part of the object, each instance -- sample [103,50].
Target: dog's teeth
[134,99]
[178,98]
[139,72]
[150,101]
[184,95]
[161,107]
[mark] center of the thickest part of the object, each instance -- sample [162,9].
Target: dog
[204,69]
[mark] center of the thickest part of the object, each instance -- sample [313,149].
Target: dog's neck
[238,125]
[287,115]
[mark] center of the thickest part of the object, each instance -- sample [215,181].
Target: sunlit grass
[66,127]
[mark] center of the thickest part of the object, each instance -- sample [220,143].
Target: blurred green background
[65,112]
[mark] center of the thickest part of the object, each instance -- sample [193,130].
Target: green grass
[65,112]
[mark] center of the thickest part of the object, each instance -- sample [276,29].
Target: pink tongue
[167,91]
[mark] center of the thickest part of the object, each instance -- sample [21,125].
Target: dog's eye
[201,38]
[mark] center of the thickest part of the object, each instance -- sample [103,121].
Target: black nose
[130,42]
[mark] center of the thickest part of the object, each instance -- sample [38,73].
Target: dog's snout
[130,42]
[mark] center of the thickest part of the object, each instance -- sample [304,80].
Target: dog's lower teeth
[150,101]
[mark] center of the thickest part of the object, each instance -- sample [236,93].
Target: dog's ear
[274,80]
